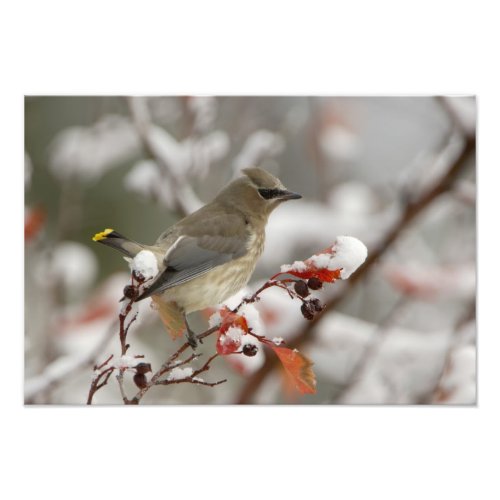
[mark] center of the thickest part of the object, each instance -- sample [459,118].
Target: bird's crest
[261,178]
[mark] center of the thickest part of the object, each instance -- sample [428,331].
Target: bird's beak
[289,195]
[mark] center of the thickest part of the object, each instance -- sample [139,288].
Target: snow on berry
[348,254]
[144,263]
[338,261]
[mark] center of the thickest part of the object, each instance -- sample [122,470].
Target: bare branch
[99,374]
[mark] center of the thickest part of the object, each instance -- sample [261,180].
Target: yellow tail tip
[102,235]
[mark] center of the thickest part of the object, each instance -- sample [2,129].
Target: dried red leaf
[230,318]
[225,343]
[298,369]
[324,275]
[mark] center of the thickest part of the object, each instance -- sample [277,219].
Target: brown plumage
[209,255]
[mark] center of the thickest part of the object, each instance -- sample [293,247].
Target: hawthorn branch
[174,361]
[409,213]
[193,378]
[96,382]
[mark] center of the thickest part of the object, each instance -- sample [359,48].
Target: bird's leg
[191,336]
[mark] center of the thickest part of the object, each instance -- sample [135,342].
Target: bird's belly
[214,287]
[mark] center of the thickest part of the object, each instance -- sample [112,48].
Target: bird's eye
[268,194]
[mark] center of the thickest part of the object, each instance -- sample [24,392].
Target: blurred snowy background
[404,333]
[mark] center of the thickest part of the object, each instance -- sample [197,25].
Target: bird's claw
[191,340]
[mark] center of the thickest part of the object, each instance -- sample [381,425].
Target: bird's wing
[193,256]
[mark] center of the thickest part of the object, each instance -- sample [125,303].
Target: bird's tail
[115,240]
[169,312]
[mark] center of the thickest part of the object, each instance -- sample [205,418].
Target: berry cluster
[309,307]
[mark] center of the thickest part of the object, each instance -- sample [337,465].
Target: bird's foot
[192,340]
[191,336]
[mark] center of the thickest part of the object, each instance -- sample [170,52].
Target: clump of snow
[215,319]
[180,373]
[233,335]
[248,311]
[321,261]
[127,362]
[348,254]
[298,266]
[145,263]
[278,340]
[252,315]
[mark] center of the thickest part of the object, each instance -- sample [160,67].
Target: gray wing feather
[192,257]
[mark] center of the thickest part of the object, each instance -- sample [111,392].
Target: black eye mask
[268,194]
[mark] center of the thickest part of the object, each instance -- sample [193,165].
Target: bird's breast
[221,283]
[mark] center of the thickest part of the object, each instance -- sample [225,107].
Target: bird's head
[256,193]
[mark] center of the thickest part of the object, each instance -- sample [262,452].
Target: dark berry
[306,311]
[130,292]
[250,349]
[314,283]
[143,368]
[140,380]
[301,289]
[138,277]
[316,305]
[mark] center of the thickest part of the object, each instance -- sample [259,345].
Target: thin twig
[96,381]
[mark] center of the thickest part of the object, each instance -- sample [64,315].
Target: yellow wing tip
[102,235]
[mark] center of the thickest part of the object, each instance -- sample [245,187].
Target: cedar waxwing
[211,254]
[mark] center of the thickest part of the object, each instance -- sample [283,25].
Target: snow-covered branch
[239,330]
